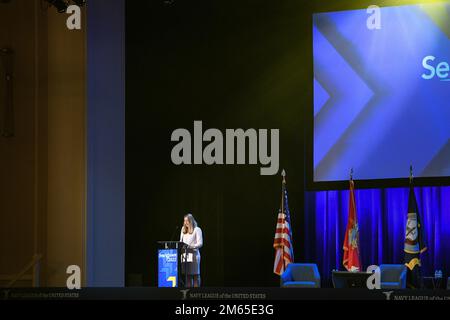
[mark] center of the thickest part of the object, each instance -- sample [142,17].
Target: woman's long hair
[192,224]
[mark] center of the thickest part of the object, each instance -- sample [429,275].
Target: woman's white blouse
[194,240]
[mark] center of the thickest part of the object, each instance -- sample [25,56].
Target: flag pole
[283,184]
[411,173]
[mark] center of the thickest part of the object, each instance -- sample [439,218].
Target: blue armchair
[301,275]
[393,276]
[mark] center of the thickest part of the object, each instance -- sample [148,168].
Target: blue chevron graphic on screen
[382,97]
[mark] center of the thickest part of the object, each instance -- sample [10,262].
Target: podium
[169,263]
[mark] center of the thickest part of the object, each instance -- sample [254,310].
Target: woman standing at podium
[191,235]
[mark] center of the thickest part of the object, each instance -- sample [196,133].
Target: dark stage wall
[231,66]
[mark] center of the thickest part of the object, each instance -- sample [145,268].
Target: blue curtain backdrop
[382,217]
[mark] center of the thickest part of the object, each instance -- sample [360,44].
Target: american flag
[284,252]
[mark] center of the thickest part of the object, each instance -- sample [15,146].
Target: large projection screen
[382,93]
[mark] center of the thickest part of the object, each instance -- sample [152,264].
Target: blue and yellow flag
[414,242]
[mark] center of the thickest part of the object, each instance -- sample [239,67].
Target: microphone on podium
[174,232]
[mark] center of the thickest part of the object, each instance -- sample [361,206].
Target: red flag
[351,241]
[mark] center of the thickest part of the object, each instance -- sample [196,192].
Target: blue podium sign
[167,268]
